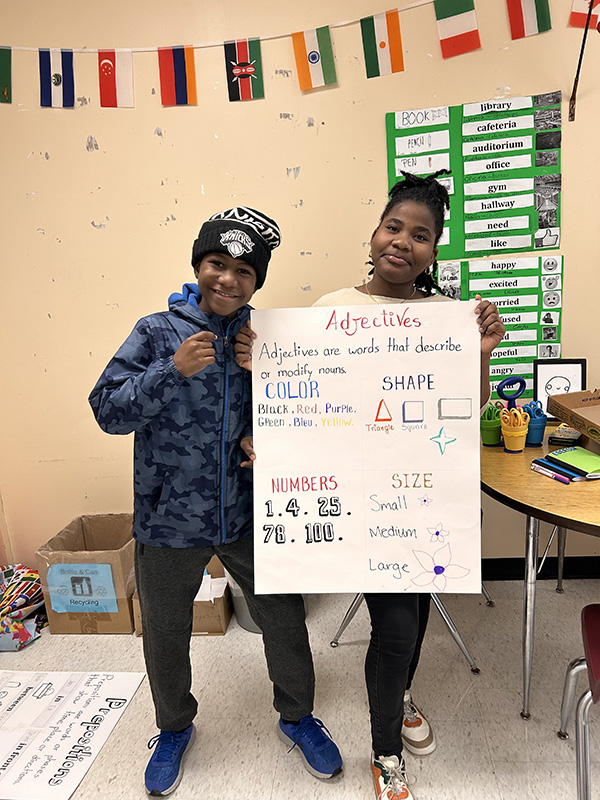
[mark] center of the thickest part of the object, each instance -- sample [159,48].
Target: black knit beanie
[240,232]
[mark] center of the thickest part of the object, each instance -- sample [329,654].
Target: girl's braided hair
[434,195]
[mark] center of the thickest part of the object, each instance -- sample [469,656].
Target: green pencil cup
[490,432]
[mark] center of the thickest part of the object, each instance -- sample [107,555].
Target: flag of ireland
[382,44]
[528,17]
[244,69]
[5,75]
[579,13]
[457,26]
[314,58]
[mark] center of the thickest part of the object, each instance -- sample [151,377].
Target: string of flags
[313,53]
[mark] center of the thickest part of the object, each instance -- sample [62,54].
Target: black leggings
[398,624]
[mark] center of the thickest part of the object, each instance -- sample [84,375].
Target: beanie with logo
[240,232]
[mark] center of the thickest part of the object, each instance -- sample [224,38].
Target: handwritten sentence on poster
[366,429]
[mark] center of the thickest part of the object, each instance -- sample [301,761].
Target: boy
[176,384]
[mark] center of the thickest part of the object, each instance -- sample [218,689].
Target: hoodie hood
[187,304]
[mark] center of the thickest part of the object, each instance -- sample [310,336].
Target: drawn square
[413,411]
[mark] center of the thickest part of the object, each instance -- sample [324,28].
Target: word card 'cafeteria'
[366,431]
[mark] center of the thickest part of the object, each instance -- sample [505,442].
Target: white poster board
[366,430]
[53,725]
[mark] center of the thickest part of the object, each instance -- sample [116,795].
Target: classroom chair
[358,599]
[590,629]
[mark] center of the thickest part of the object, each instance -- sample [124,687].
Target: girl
[403,254]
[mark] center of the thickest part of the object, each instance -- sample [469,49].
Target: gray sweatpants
[168,579]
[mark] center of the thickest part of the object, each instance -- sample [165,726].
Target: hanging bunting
[244,69]
[57,84]
[115,74]
[382,44]
[457,26]
[579,14]
[5,75]
[177,76]
[528,17]
[314,58]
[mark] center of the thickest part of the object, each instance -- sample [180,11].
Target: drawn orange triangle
[381,410]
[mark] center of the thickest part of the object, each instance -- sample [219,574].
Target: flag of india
[314,58]
[382,44]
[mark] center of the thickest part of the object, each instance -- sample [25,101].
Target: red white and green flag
[382,44]
[244,69]
[528,17]
[579,13]
[457,26]
[314,58]
[115,76]
[177,76]
[5,75]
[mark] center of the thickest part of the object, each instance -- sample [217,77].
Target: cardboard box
[210,618]
[87,575]
[580,410]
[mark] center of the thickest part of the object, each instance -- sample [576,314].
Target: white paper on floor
[53,725]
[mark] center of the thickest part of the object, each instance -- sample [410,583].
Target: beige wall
[93,240]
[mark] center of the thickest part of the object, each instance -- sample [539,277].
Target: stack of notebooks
[574,463]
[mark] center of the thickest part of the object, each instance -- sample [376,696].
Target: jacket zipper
[224,429]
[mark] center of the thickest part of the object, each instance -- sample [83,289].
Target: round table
[509,479]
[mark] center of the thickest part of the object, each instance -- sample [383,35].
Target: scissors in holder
[514,418]
[535,409]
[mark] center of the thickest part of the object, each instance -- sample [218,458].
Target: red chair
[590,628]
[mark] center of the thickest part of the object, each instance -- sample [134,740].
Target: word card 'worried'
[366,431]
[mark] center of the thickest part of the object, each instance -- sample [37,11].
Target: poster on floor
[504,155]
[366,430]
[528,293]
[53,725]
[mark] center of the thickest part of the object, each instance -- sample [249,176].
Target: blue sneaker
[165,768]
[320,753]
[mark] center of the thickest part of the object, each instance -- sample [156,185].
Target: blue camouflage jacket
[189,487]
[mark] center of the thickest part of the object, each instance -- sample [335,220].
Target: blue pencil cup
[537,425]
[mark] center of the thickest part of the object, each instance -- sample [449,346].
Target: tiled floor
[485,751]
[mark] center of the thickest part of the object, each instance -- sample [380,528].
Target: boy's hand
[247,445]
[491,327]
[243,347]
[195,353]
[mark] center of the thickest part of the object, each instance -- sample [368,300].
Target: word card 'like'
[366,430]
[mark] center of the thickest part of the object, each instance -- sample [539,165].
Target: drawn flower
[426,500]
[438,534]
[437,569]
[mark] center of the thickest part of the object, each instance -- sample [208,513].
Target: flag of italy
[457,26]
[528,17]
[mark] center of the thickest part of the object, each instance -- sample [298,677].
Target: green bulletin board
[504,156]
[505,190]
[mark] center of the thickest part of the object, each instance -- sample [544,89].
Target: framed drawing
[557,376]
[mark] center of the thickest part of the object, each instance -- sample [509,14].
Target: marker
[548,474]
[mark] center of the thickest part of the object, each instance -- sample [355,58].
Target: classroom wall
[100,206]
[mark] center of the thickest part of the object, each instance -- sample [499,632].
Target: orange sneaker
[389,778]
[417,735]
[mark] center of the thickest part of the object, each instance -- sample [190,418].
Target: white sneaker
[417,736]
[389,778]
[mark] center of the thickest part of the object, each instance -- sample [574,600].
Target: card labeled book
[580,459]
